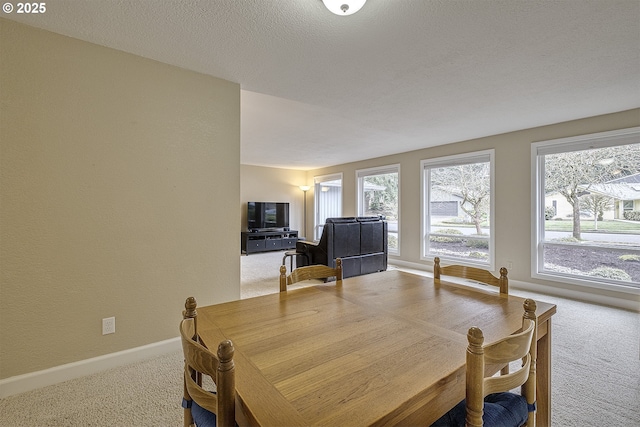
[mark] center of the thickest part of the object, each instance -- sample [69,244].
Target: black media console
[262,241]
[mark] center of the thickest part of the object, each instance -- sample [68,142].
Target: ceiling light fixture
[344,7]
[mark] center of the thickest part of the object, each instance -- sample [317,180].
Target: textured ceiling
[320,89]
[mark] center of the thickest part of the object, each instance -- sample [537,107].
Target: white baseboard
[557,290]
[33,380]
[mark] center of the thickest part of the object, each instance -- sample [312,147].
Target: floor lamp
[305,188]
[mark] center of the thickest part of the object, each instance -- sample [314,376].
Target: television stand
[263,241]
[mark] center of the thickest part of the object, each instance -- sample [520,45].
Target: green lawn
[588,226]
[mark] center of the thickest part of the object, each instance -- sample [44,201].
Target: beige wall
[513,189]
[260,184]
[119,197]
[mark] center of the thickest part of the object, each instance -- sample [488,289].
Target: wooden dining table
[380,349]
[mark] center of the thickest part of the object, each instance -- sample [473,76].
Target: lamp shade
[344,7]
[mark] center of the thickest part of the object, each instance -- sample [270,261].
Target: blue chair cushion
[500,410]
[202,417]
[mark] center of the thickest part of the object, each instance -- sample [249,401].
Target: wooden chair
[488,398]
[472,273]
[476,274]
[203,407]
[309,272]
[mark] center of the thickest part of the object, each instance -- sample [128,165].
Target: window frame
[556,146]
[425,205]
[317,227]
[361,174]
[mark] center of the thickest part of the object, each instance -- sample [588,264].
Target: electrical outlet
[509,265]
[109,325]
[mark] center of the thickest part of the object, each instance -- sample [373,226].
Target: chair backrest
[521,345]
[200,361]
[472,273]
[309,272]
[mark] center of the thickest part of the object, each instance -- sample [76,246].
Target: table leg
[543,376]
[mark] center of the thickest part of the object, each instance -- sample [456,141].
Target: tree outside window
[378,195]
[593,234]
[458,204]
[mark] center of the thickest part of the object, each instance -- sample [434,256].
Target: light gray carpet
[595,375]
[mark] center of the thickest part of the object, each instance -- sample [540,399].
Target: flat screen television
[267,215]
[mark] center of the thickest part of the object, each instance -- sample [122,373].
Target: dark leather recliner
[361,243]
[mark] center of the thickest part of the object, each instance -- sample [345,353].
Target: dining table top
[386,348]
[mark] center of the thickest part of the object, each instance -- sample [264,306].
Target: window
[328,200]
[378,195]
[457,206]
[591,235]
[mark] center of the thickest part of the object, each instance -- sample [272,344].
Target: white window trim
[452,160]
[381,170]
[555,146]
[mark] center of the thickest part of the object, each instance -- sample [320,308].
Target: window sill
[632,289]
